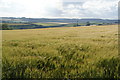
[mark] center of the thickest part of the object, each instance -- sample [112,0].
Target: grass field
[47,24]
[14,24]
[65,52]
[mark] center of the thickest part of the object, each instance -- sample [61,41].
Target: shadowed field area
[65,52]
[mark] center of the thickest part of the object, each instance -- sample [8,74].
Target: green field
[47,24]
[14,23]
[65,52]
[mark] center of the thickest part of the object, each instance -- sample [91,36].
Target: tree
[88,23]
[5,27]
[74,25]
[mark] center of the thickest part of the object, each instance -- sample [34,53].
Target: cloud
[91,8]
[28,8]
[60,8]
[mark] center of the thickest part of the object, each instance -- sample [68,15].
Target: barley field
[65,52]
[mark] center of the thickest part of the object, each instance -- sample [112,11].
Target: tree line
[5,27]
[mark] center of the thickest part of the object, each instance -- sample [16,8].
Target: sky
[105,9]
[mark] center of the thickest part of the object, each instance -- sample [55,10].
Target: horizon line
[60,17]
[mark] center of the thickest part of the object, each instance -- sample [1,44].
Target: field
[49,24]
[14,24]
[64,52]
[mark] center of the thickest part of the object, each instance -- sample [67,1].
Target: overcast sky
[59,8]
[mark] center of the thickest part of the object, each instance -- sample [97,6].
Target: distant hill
[32,23]
[63,20]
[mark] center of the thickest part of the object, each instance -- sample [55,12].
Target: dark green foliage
[110,67]
[88,23]
[13,69]
[5,27]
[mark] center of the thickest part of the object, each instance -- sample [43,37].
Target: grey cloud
[107,11]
